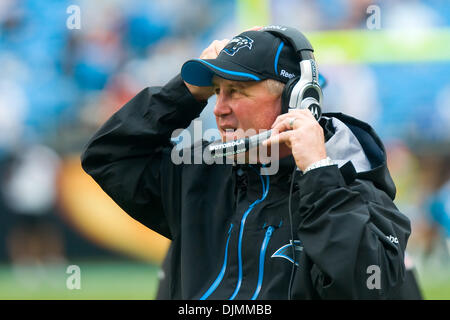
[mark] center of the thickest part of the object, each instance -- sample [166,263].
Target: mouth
[229,132]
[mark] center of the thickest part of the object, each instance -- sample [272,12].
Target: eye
[216,90]
[238,92]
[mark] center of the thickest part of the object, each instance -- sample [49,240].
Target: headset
[300,92]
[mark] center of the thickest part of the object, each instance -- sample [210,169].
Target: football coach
[324,226]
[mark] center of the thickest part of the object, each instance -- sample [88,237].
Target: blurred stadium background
[58,85]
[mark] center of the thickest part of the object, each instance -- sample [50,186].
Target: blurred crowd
[57,85]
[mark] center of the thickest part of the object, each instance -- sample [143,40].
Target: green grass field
[127,280]
[99,280]
[435,282]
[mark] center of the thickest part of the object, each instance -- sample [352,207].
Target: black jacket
[229,224]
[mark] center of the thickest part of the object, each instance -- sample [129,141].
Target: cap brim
[199,72]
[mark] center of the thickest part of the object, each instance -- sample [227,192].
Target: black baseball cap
[250,56]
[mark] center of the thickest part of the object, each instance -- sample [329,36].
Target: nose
[222,107]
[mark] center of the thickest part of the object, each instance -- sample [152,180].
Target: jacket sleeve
[353,234]
[129,156]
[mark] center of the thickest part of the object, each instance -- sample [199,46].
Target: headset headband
[295,38]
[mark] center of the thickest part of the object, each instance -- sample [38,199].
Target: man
[323,227]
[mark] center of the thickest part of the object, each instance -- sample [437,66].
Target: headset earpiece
[286,94]
[304,92]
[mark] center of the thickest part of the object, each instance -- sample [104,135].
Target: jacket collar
[368,162]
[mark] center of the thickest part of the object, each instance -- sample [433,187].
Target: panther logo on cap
[237,43]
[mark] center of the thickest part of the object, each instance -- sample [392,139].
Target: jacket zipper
[219,278]
[241,232]
[262,255]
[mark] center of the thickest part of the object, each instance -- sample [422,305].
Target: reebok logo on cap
[237,43]
[286,74]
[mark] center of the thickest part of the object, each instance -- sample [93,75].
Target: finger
[284,125]
[288,123]
[301,115]
[284,116]
[280,119]
[220,45]
[282,137]
[273,133]
[307,113]
[213,50]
